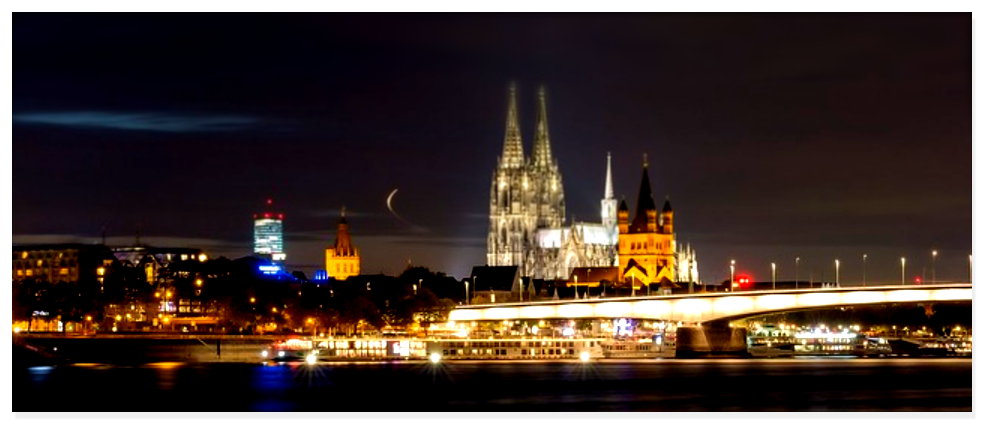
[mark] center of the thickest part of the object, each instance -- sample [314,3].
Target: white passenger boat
[817,344]
[516,348]
[655,347]
[313,350]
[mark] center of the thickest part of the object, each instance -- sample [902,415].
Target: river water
[697,385]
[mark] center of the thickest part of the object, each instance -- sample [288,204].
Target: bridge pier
[711,339]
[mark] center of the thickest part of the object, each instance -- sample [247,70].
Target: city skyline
[774,136]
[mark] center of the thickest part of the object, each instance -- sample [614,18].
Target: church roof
[645,202]
[343,241]
[499,278]
[666,205]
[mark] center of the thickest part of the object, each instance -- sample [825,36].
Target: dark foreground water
[645,385]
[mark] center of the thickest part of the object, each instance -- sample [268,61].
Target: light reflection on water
[40,374]
[166,373]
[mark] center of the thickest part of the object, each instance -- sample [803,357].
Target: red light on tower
[269,202]
[918,279]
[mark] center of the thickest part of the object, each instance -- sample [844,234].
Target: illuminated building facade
[268,233]
[342,259]
[61,263]
[527,209]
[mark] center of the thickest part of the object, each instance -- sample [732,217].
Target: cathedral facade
[527,211]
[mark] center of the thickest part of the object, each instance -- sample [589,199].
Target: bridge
[708,307]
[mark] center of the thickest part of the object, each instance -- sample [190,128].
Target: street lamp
[864,275]
[773,276]
[934,266]
[467,300]
[732,273]
[837,272]
[797,266]
[903,270]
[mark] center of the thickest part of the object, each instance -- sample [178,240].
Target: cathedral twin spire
[527,193]
[512,150]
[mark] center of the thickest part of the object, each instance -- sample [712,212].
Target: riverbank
[33,350]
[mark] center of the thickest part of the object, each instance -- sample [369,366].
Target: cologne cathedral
[528,227]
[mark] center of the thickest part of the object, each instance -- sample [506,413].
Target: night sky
[775,135]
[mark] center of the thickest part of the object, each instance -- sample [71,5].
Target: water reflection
[166,373]
[40,374]
[669,385]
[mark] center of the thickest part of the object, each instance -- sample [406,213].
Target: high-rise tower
[268,233]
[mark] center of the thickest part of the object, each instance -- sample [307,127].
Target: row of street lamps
[864,274]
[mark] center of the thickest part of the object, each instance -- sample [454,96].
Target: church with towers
[528,228]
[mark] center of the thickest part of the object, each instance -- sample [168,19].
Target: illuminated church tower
[268,233]
[646,246]
[342,259]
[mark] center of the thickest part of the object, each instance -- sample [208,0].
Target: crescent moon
[389,205]
[389,200]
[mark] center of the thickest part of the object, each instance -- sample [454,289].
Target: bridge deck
[702,307]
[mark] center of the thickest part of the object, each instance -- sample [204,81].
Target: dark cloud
[148,121]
